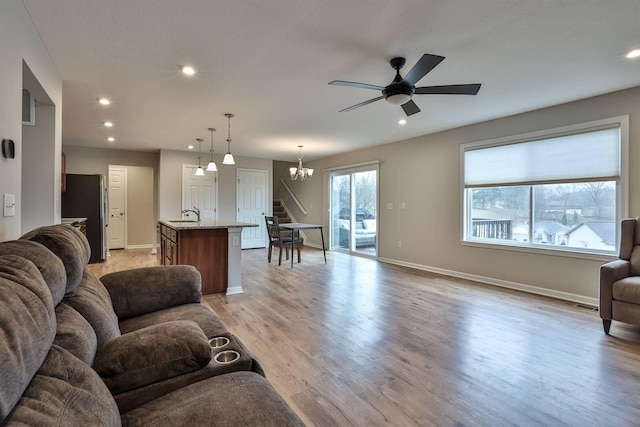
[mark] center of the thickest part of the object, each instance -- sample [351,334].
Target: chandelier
[300,172]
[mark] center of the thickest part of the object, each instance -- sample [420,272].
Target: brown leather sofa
[620,279]
[130,349]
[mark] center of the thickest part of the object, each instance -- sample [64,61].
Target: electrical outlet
[235,241]
[389,206]
[399,243]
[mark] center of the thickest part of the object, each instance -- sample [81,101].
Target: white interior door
[252,205]
[117,230]
[200,191]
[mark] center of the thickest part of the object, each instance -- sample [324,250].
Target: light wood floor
[357,342]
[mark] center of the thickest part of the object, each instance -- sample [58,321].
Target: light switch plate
[9,205]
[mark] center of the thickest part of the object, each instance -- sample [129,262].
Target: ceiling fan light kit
[401,90]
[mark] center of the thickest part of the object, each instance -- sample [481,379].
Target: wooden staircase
[283,217]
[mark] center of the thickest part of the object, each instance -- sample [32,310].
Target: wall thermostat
[8,149]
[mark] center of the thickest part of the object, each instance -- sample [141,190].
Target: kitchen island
[213,246]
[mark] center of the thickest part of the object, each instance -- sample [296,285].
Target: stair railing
[294,197]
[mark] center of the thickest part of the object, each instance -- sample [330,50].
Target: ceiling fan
[400,90]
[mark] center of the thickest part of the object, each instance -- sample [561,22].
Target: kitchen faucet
[194,210]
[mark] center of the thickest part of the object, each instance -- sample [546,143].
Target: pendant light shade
[211,167]
[199,170]
[228,158]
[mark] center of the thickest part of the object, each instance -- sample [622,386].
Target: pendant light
[211,167]
[300,172]
[199,170]
[228,158]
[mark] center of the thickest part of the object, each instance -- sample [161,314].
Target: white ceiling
[269,62]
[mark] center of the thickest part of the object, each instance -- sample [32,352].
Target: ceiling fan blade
[423,66]
[470,89]
[353,107]
[355,84]
[410,108]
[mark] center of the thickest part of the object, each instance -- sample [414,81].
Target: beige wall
[171,182]
[141,227]
[424,173]
[142,181]
[20,42]
[38,149]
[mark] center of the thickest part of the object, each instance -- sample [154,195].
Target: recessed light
[188,70]
[104,101]
[190,147]
[635,53]
[108,124]
[111,139]
[402,122]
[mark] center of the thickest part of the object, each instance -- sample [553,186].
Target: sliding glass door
[354,207]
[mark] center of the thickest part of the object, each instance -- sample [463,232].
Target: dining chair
[278,240]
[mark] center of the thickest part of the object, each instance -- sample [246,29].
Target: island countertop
[204,224]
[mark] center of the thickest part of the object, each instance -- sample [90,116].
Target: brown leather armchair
[620,279]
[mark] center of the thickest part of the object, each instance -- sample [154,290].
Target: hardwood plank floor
[358,342]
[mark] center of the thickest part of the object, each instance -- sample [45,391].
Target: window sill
[549,251]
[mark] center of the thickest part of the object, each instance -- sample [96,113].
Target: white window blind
[585,156]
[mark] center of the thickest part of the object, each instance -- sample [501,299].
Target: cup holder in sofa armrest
[218,342]
[227,356]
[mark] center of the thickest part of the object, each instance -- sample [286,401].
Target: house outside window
[563,189]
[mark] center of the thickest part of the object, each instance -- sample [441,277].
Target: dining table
[297,226]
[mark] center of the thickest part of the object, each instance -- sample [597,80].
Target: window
[562,189]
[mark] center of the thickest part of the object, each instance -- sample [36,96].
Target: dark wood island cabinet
[207,246]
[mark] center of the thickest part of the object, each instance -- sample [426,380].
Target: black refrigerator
[86,197]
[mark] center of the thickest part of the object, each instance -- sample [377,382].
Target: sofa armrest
[145,290]
[610,273]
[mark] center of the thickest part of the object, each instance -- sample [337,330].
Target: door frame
[126,214]
[351,171]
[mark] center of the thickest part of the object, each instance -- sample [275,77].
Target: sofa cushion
[69,244]
[627,290]
[234,399]
[27,327]
[65,391]
[152,354]
[92,300]
[144,290]
[75,334]
[205,318]
[49,265]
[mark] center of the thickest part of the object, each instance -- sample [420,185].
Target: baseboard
[581,299]
[235,290]
[145,246]
[313,245]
